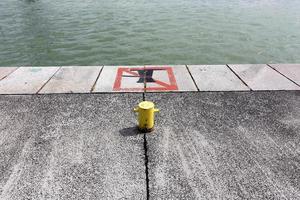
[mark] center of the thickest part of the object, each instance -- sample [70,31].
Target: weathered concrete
[291,71]
[72,80]
[5,71]
[26,80]
[263,77]
[225,145]
[70,147]
[128,82]
[216,78]
[183,79]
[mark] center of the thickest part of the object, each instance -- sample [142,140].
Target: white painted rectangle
[128,83]
[5,71]
[292,71]
[26,80]
[73,80]
[182,77]
[216,78]
[263,77]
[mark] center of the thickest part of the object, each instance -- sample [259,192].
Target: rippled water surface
[129,32]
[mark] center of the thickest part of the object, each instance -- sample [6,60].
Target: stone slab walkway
[160,78]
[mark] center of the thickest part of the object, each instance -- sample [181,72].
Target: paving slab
[225,145]
[216,78]
[26,80]
[73,80]
[292,71]
[263,77]
[5,71]
[163,78]
[120,79]
[70,146]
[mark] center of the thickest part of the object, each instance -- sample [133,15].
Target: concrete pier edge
[149,78]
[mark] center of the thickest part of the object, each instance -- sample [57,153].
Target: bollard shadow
[130,131]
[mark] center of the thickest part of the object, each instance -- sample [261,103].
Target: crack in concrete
[146,149]
[146,166]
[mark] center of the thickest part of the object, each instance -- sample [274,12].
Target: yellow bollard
[146,112]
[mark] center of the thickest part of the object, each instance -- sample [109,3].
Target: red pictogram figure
[145,75]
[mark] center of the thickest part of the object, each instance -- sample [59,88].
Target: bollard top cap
[146,105]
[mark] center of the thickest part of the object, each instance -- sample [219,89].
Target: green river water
[136,32]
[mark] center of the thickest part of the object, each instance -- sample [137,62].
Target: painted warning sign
[160,79]
[146,78]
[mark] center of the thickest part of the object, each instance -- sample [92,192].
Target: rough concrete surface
[209,145]
[225,145]
[70,147]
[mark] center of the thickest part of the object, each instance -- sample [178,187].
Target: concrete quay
[164,78]
[70,132]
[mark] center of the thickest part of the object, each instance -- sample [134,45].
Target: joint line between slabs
[283,74]
[192,77]
[9,73]
[145,84]
[48,80]
[98,76]
[239,77]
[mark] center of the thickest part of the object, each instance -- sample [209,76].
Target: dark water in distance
[136,32]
